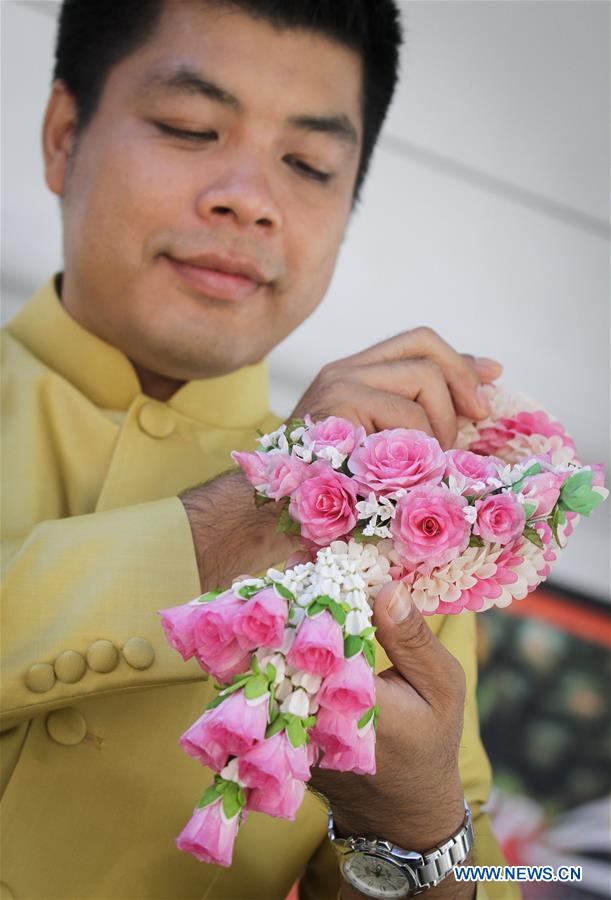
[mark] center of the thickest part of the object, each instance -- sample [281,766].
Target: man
[207,156]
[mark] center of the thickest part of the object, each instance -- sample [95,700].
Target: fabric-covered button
[138,652]
[69,666]
[40,678]
[156,420]
[66,726]
[102,656]
[5,892]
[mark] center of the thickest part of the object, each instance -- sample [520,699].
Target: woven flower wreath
[293,651]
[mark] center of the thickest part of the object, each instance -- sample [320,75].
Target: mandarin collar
[106,376]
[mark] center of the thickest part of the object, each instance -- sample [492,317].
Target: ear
[58,130]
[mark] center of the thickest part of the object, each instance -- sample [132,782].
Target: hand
[415,799]
[412,380]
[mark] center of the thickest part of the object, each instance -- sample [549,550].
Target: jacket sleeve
[80,601]
[458,633]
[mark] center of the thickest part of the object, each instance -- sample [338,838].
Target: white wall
[485,215]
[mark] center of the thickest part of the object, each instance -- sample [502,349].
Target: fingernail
[486,362]
[400,604]
[482,399]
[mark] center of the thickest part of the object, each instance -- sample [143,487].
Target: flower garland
[294,652]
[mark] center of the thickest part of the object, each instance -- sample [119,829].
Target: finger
[378,410]
[415,652]
[419,380]
[488,369]
[460,374]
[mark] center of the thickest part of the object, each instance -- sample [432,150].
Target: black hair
[95,35]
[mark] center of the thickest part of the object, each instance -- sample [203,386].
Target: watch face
[375,876]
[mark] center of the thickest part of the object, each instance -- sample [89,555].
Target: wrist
[231,535]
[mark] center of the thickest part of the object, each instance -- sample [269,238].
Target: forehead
[292,70]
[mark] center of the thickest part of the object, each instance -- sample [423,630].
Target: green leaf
[209,596]
[365,718]
[535,469]
[209,796]
[270,671]
[577,494]
[286,525]
[315,607]
[530,509]
[358,536]
[353,644]
[475,541]
[231,804]
[216,702]
[248,591]
[274,727]
[261,499]
[254,665]
[369,652]
[284,592]
[256,687]
[368,632]
[310,722]
[533,536]
[296,732]
[337,612]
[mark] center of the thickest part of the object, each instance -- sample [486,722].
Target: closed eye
[187,135]
[307,171]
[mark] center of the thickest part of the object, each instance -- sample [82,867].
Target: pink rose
[324,504]
[334,732]
[261,620]
[430,526]
[282,802]
[500,518]
[397,458]
[217,649]
[229,729]
[506,434]
[543,490]
[470,468]
[209,835]
[178,623]
[334,432]
[351,689]
[266,766]
[318,647]
[274,474]
[360,758]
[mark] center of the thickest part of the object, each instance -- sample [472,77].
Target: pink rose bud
[472,470]
[334,732]
[281,802]
[397,458]
[543,490]
[261,621]
[178,623]
[217,650]
[360,759]
[229,729]
[265,765]
[350,690]
[318,647]
[334,432]
[274,474]
[324,504]
[209,835]
[500,518]
[430,526]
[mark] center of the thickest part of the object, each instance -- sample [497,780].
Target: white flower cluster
[351,574]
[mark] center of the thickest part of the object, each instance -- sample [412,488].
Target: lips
[219,277]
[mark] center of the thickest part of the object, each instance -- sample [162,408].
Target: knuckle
[419,638]
[432,368]
[425,333]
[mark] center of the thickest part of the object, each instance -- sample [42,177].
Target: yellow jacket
[95,786]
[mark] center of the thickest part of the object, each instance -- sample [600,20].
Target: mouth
[219,277]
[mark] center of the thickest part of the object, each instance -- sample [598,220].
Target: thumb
[415,652]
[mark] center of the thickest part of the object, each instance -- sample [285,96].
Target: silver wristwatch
[380,869]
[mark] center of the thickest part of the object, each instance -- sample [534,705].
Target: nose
[240,194]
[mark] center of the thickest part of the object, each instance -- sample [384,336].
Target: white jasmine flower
[230,772]
[284,689]
[309,683]
[470,514]
[297,703]
[314,707]
[356,622]
[296,615]
[304,453]
[332,455]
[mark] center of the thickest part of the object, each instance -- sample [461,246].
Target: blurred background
[486,217]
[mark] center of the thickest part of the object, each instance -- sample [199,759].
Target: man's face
[196,255]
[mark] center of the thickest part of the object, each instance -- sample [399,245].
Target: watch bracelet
[440,859]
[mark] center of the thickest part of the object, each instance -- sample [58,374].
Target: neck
[159,387]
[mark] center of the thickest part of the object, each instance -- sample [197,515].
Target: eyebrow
[185,80]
